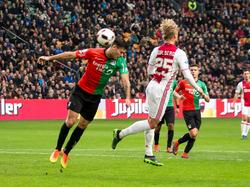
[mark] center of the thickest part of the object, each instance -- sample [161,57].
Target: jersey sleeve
[182,60]
[85,53]
[239,88]
[152,59]
[123,69]
[174,84]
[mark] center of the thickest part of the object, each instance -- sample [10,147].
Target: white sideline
[120,149]
[78,153]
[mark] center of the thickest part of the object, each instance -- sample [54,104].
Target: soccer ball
[105,37]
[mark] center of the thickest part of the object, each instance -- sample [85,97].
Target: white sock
[247,129]
[242,127]
[136,127]
[149,137]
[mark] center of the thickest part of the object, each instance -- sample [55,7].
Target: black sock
[170,137]
[62,136]
[74,138]
[157,135]
[189,145]
[184,138]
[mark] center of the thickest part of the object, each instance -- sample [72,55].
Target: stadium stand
[215,35]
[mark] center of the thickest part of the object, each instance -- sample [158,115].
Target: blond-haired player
[164,63]
[243,90]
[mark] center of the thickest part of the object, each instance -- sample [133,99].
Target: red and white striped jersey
[243,88]
[164,58]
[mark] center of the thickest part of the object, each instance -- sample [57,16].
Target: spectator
[216,37]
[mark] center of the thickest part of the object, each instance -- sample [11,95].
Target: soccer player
[243,89]
[86,96]
[164,63]
[191,110]
[169,118]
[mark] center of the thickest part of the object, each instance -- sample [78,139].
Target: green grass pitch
[218,158]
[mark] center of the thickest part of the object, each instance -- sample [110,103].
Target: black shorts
[192,119]
[169,116]
[84,103]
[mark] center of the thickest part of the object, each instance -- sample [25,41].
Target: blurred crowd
[215,35]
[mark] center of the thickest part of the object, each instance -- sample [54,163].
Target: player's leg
[247,129]
[149,137]
[148,127]
[74,138]
[170,137]
[193,132]
[157,136]
[74,106]
[69,122]
[170,118]
[244,129]
[138,126]
[88,110]
[76,134]
[189,120]
[248,122]
[149,157]
[244,125]
[152,101]
[157,104]
[157,133]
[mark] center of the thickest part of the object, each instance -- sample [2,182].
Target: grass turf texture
[218,158]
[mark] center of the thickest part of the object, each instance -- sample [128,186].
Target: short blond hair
[168,28]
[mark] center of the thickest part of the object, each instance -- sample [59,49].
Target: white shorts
[246,111]
[157,96]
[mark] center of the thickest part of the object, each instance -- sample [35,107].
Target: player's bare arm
[177,99]
[236,96]
[206,97]
[126,85]
[178,96]
[65,55]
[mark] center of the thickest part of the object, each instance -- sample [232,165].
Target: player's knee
[193,133]
[71,121]
[171,126]
[152,123]
[83,123]
[82,126]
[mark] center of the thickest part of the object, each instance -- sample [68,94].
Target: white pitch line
[129,150]
[74,154]
[116,156]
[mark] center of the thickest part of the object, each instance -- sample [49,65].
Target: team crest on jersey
[113,62]
[107,70]
[196,93]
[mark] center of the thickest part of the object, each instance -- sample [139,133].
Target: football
[105,37]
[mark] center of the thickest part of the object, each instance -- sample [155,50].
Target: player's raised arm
[182,61]
[65,55]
